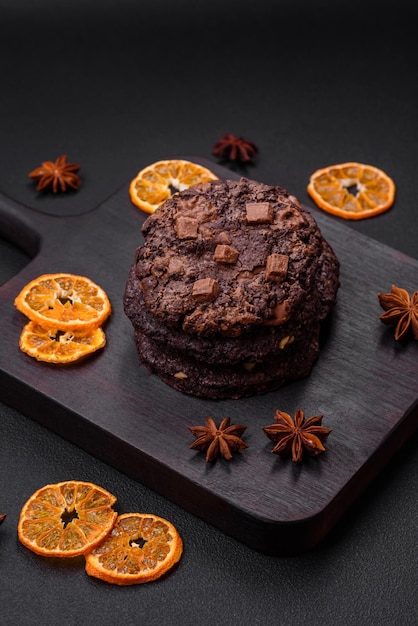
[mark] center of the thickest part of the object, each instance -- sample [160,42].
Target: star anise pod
[295,436]
[234,148]
[2,517]
[214,441]
[401,310]
[58,175]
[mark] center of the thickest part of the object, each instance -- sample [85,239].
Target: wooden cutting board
[364,383]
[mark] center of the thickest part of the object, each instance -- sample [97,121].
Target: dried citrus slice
[56,346]
[66,519]
[352,191]
[140,548]
[157,182]
[64,301]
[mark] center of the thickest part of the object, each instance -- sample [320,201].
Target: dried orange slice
[157,182]
[352,191]
[140,548]
[64,301]
[66,519]
[56,346]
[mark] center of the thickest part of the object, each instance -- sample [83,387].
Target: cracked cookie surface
[225,256]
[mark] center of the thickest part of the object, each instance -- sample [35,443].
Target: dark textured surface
[85,78]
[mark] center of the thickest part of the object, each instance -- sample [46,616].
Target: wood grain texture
[364,383]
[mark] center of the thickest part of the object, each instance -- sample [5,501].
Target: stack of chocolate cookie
[227,294]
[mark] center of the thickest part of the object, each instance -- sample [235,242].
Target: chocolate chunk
[225,254]
[295,201]
[259,213]
[276,267]
[205,289]
[186,227]
[292,218]
[223,237]
[175,266]
[281,314]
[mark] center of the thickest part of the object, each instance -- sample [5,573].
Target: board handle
[21,225]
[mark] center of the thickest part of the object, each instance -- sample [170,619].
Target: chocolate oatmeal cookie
[218,382]
[262,342]
[230,271]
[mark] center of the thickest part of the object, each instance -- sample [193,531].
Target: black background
[118,85]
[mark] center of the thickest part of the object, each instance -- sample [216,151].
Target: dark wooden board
[364,383]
